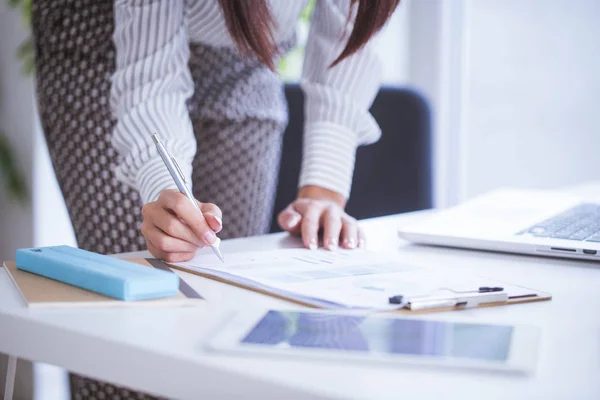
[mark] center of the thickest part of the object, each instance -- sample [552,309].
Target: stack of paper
[342,279]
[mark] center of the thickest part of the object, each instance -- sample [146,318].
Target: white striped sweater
[152,82]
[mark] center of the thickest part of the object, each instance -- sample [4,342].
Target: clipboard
[41,292]
[533,297]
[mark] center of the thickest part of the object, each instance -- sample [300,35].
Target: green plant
[10,174]
[25,50]
[289,67]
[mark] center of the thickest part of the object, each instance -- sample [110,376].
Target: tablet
[348,336]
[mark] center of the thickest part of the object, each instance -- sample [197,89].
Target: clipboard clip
[470,299]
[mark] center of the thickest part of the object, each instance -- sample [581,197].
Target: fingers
[166,243]
[171,225]
[332,225]
[289,219]
[174,229]
[212,215]
[349,233]
[178,203]
[362,239]
[166,232]
[309,216]
[310,226]
[168,257]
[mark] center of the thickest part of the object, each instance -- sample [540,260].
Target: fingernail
[333,244]
[219,220]
[210,237]
[351,243]
[312,245]
[293,221]
[361,243]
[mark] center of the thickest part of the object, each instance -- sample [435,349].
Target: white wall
[40,221]
[52,224]
[392,46]
[16,221]
[16,122]
[43,220]
[515,91]
[436,69]
[533,93]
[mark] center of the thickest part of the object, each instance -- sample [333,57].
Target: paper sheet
[345,278]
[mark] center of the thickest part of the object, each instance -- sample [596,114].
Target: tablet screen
[372,334]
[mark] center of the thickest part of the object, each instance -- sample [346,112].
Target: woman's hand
[317,208]
[174,229]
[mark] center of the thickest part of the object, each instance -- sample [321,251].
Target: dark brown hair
[251,24]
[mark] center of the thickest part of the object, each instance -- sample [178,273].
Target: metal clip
[179,170]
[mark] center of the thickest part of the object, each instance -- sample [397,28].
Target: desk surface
[161,350]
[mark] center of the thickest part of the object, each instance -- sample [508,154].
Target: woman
[217,106]
[238,115]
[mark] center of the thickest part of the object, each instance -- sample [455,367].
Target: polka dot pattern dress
[238,112]
[239,142]
[74,62]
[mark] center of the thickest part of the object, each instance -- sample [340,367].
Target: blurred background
[513,87]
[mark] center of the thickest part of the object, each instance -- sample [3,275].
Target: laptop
[538,222]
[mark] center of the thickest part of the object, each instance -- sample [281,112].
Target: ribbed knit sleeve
[337,100]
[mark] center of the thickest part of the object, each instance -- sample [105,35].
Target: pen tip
[155,138]
[219,254]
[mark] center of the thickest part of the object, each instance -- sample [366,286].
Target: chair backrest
[391,176]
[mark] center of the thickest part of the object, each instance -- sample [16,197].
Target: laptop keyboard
[581,223]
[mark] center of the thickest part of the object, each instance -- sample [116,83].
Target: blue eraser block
[101,274]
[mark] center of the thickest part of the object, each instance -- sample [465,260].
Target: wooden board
[41,292]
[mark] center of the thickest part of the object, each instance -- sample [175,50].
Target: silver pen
[179,179]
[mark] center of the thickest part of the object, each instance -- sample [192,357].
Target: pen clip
[179,171]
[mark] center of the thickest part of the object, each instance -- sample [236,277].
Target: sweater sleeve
[337,99]
[150,87]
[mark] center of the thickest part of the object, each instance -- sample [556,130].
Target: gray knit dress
[237,160]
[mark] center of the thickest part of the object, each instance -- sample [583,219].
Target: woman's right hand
[174,229]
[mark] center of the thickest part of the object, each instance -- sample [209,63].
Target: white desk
[161,350]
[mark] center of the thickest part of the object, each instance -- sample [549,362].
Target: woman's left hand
[317,208]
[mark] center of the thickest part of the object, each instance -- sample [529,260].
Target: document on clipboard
[355,279]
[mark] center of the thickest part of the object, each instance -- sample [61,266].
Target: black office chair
[391,176]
